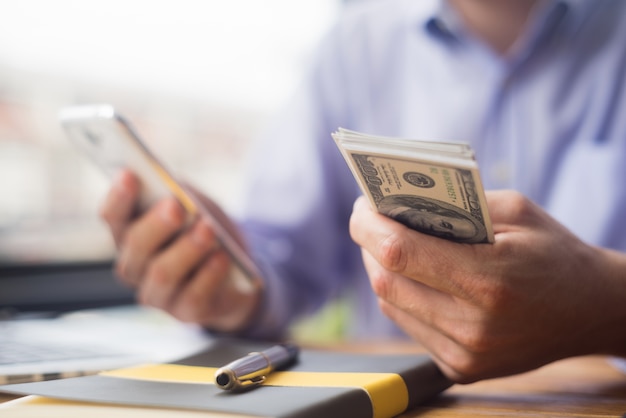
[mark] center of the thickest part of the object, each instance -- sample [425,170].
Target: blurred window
[196,77]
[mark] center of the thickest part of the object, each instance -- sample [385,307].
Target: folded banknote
[432,187]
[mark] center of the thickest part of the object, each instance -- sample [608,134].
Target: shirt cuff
[619,363]
[272,319]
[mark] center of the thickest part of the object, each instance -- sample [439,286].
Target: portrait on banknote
[432,187]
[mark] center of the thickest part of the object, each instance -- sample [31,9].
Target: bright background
[198,78]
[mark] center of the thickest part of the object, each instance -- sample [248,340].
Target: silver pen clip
[253,369]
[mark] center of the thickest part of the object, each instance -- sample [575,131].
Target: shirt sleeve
[619,363]
[297,202]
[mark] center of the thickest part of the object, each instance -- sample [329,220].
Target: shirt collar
[444,23]
[549,16]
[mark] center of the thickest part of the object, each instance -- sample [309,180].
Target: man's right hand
[176,267]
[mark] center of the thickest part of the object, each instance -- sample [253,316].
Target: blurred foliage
[326,326]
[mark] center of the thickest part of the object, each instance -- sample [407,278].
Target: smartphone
[109,140]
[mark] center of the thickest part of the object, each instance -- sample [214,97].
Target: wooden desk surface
[579,387]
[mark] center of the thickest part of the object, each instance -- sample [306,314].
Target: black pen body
[281,355]
[252,369]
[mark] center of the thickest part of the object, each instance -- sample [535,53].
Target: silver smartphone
[109,140]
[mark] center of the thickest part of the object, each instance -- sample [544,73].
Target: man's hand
[176,267]
[536,295]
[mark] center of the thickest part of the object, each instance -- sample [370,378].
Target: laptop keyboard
[18,352]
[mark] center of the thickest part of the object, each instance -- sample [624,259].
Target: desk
[579,387]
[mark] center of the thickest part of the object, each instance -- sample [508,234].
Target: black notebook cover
[327,384]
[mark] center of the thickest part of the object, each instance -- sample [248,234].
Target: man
[536,87]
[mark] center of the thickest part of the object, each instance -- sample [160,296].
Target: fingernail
[119,183]
[170,212]
[358,203]
[201,235]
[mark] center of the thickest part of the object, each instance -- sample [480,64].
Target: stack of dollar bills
[432,187]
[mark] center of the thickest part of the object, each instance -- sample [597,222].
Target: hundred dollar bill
[432,187]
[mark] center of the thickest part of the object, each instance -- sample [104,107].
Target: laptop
[69,319]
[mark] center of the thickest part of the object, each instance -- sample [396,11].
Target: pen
[252,370]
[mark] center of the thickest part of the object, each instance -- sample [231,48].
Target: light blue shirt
[549,121]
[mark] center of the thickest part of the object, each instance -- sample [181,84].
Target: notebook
[70,319]
[322,383]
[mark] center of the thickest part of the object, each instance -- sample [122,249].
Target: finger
[460,362]
[144,237]
[118,207]
[471,345]
[171,269]
[510,209]
[453,361]
[453,317]
[202,299]
[213,212]
[438,263]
